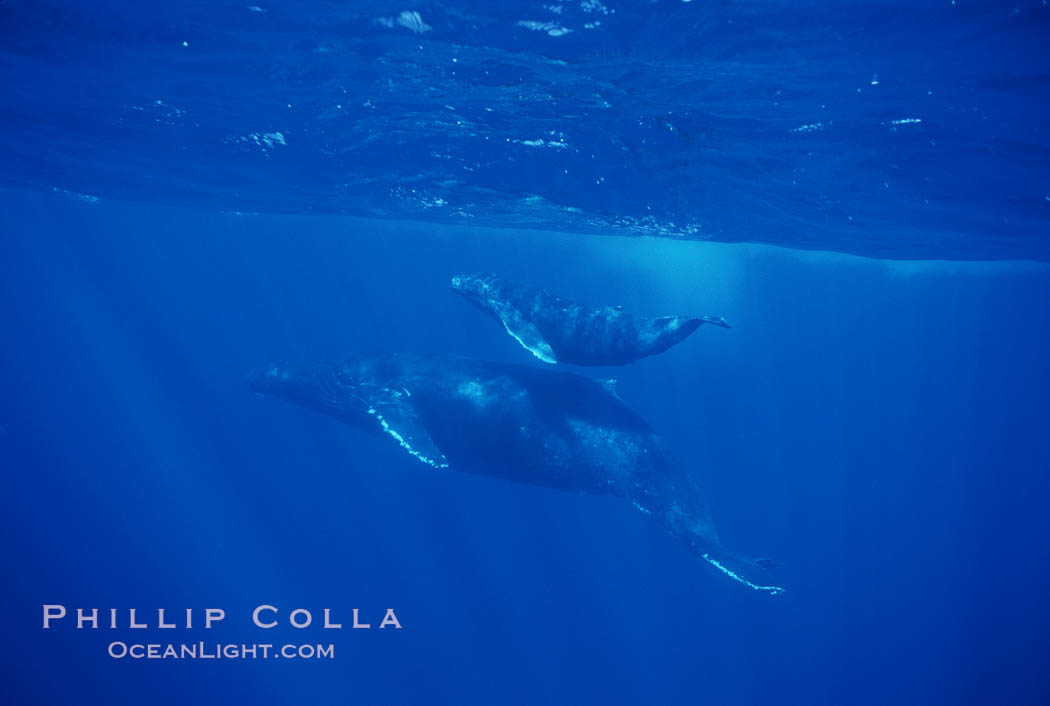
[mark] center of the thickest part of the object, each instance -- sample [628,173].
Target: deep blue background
[879,428]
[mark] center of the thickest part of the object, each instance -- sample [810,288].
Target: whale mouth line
[772,590]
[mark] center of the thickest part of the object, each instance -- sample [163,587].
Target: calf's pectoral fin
[526,333]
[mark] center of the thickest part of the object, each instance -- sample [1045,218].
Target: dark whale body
[525,424]
[556,330]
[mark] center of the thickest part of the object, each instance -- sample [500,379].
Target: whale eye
[346,379]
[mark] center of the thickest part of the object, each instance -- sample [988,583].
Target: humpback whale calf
[556,330]
[532,425]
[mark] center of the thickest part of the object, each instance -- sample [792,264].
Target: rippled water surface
[893,129]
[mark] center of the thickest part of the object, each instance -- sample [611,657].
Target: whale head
[478,289]
[366,392]
[333,390]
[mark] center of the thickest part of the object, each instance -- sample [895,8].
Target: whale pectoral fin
[525,332]
[399,420]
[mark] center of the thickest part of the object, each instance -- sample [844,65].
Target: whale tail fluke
[666,331]
[715,320]
[692,524]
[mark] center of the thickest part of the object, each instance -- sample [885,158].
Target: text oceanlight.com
[201,650]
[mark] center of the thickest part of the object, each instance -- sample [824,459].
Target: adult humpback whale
[556,330]
[537,426]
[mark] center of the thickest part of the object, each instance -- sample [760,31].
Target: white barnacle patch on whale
[484,394]
[613,450]
[474,391]
[774,590]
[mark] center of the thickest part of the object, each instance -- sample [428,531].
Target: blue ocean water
[193,190]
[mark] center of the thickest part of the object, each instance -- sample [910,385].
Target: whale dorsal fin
[525,332]
[610,386]
[398,419]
